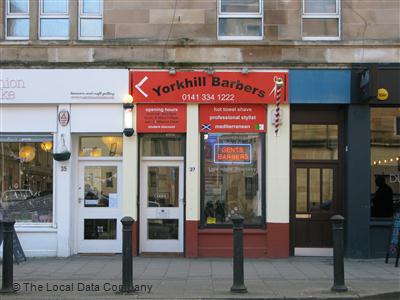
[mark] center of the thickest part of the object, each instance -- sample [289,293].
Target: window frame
[91,16]
[43,16]
[203,224]
[240,15]
[337,15]
[9,15]
[53,224]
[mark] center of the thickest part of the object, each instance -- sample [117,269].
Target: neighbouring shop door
[99,207]
[315,201]
[161,206]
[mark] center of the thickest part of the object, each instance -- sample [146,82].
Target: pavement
[99,277]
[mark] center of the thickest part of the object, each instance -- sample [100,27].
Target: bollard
[338,249]
[127,261]
[8,260]
[238,274]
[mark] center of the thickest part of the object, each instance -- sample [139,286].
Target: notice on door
[161,118]
[233,118]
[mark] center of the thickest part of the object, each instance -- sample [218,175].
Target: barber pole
[277,94]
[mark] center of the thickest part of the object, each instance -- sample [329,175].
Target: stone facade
[185,32]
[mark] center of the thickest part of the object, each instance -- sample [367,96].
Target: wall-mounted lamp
[172,71]
[245,70]
[210,71]
[128,115]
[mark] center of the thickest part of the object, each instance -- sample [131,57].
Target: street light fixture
[128,116]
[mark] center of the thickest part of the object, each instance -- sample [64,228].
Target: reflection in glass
[162,145]
[100,146]
[162,229]
[240,27]
[385,162]
[54,28]
[91,7]
[321,27]
[327,189]
[19,6]
[233,186]
[100,229]
[55,6]
[320,6]
[315,192]
[314,142]
[240,6]
[27,183]
[163,187]
[18,28]
[301,189]
[100,186]
[91,28]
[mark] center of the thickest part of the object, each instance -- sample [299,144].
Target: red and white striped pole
[277,114]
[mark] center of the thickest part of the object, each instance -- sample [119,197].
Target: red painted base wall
[272,242]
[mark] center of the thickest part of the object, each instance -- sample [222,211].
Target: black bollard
[238,274]
[8,259]
[127,261]
[338,249]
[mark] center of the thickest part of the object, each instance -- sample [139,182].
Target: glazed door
[99,207]
[161,206]
[314,201]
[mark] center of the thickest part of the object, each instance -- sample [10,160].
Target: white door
[161,206]
[99,207]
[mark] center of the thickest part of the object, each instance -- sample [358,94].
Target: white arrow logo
[140,84]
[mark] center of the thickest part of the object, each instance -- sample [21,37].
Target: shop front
[211,145]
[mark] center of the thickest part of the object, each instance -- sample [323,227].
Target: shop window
[385,162]
[162,145]
[90,19]
[27,178]
[321,20]
[232,178]
[54,19]
[17,19]
[314,142]
[100,146]
[240,19]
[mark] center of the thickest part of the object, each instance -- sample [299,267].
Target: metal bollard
[238,274]
[8,259]
[338,249]
[127,261]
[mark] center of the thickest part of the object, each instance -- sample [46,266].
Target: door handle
[80,200]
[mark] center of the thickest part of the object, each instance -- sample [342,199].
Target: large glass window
[100,146]
[321,20]
[240,20]
[17,19]
[90,19]
[232,178]
[54,19]
[26,180]
[385,161]
[169,144]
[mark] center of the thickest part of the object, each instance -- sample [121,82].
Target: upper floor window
[240,19]
[321,20]
[90,19]
[54,19]
[17,19]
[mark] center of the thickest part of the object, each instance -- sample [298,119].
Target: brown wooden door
[314,201]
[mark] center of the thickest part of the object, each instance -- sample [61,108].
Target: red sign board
[233,118]
[200,87]
[232,154]
[161,118]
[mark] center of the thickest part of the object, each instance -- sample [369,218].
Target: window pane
[321,27]
[385,162]
[19,6]
[301,190]
[100,146]
[55,6]
[18,27]
[232,178]
[327,189]
[163,229]
[245,6]
[91,28]
[163,187]
[27,183]
[54,27]
[101,186]
[315,189]
[319,6]
[91,7]
[314,141]
[162,145]
[240,27]
[100,229]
